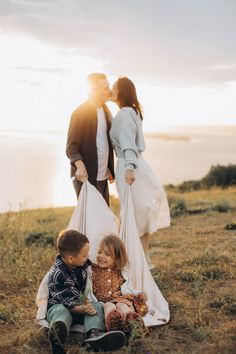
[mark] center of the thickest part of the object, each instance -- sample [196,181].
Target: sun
[41,84]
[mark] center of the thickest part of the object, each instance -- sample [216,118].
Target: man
[88,143]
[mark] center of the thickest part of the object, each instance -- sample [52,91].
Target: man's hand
[110,177]
[81,172]
[129,176]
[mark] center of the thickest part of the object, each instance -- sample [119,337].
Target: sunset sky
[181,54]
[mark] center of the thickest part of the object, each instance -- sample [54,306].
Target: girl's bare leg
[108,307]
[123,308]
[113,317]
[129,316]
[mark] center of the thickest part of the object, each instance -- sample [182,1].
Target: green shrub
[226,302]
[3,317]
[217,273]
[231,226]
[221,207]
[39,238]
[179,208]
[221,301]
[231,309]
[189,186]
[187,277]
[200,334]
[220,176]
[47,219]
[208,259]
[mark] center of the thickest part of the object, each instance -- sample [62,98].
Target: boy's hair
[116,247]
[70,242]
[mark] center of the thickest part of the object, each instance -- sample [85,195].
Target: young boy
[66,283]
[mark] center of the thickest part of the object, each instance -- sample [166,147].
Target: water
[35,169]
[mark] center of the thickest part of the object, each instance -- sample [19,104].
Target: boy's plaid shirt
[65,285]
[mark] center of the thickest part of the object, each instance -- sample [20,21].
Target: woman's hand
[129,176]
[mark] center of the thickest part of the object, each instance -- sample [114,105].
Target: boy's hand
[82,309]
[89,309]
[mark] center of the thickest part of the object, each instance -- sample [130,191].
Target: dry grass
[195,270]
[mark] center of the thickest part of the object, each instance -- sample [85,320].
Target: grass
[195,270]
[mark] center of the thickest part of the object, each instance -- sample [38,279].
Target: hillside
[195,270]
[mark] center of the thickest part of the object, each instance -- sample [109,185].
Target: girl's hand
[129,176]
[145,296]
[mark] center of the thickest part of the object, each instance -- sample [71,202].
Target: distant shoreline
[164,133]
[167,137]
[175,156]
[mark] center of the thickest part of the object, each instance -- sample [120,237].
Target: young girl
[110,283]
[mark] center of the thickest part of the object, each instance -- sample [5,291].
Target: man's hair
[93,78]
[70,242]
[116,247]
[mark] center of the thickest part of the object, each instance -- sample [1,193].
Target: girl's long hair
[127,96]
[116,248]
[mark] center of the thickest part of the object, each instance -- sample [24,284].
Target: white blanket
[95,219]
[139,273]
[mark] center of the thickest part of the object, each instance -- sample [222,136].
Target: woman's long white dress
[149,198]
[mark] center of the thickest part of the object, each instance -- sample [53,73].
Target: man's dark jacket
[81,140]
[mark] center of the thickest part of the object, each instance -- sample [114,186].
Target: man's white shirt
[102,146]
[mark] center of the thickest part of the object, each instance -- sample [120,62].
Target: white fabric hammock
[95,219]
[139,272]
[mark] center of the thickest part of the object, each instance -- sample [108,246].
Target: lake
[35,169]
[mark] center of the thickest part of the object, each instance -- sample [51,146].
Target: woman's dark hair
[127,95]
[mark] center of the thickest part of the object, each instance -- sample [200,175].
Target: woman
[150,203]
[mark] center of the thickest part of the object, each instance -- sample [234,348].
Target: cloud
[177,41]
[35,84]
[43,70]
